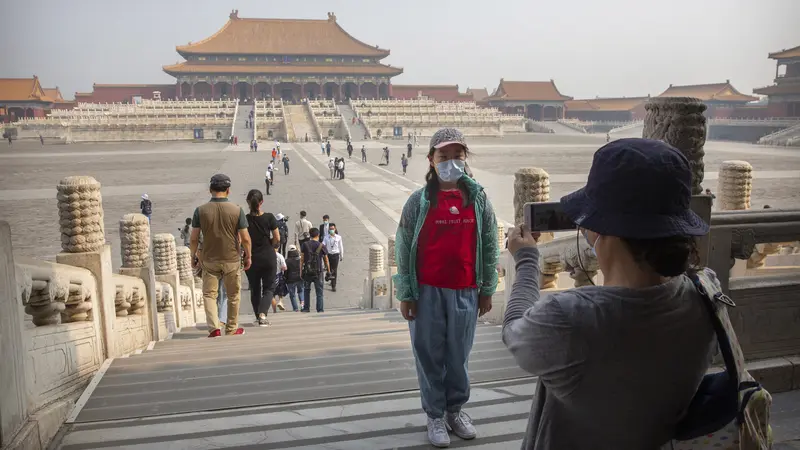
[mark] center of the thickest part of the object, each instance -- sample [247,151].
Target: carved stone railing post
[137,261]
[13,350]
[679,121]
[392,264]
[186,274]
[376,287]
[734,186]
[83,244]
[165,264]
[532,184]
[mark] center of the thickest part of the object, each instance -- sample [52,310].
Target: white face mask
[451,170]
[592,247]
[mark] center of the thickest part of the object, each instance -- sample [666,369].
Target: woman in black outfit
[263,229]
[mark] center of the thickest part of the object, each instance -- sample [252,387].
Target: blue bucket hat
[637,189]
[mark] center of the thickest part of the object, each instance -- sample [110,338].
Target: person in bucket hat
[618,364]
[446,252]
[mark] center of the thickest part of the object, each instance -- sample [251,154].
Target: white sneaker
[437,433]
[461,424]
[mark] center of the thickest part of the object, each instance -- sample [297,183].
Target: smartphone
[547,216]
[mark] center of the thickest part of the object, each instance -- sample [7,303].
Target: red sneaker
[215,333]
[239,330]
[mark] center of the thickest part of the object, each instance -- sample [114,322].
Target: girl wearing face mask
[446,252]
[618,364]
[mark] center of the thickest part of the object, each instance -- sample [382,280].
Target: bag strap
[709,295]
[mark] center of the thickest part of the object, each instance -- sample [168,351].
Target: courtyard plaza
[344,379]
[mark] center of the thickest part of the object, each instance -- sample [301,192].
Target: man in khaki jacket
[224,228]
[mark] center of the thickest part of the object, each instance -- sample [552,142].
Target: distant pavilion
[289,59]
[537,100]
[784,95]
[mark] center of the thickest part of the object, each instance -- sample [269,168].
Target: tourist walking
[647,317]
[146,206]
[283,228]
[314,262]
[280,290]
[328,148]
[263,229]
[294,283]
[335,251]
[410,147]
[349,149]
[322,147]
[332,167]
[285,164]
[274,154]
[302,230]
[324,226]
[41,140]
[404,163]
[446,252]
[268,177]
[340,167]
[255,145]
[186,232]
[363,153]
[224,227]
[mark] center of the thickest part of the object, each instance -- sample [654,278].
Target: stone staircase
[788,136]
[240,130]
[357,130]
[301,123]
[344,379]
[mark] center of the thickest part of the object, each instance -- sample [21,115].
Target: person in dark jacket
[146,206]
[294,282]
[283,228]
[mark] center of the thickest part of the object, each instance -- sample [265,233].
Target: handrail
[235,112]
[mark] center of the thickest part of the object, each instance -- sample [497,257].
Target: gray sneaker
[461,424]
[262,320]
[437,433]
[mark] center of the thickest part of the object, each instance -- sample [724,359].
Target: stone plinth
[134,237]
[80,211]
[679,121]
[99,263]
[164,254]
[734,186]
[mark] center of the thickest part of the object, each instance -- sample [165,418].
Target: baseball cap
[221,180]
[447,136]
[637,189]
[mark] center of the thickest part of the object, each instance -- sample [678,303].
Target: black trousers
[333,259]
[363,158]
[266,181]
[282,249]
[285,169]
[262,284]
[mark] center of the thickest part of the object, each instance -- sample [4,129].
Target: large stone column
[679,121]
[134,234]
[80,208]
[13,351]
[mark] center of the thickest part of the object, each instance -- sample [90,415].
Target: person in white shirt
[332,167]
[302,229]
[335,249]
[280,282]
[268,177]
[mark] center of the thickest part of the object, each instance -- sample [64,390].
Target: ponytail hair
[254,199]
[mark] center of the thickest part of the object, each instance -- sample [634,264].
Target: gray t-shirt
[617,367]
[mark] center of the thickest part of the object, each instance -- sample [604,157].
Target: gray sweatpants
[441,337]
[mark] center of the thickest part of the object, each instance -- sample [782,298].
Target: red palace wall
[124,93]
[438,93]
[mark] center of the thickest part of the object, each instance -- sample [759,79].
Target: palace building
[537,100]
[784,95]
[721,99]
[288,59]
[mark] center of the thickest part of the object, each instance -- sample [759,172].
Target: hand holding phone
[547,216]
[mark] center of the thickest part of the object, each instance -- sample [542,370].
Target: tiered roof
[720,92]
[527,91]
[793,52]
[282,37]
[478,94]
[22,90]
[605,104]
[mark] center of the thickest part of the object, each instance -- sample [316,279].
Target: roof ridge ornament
[234,14]
[331,17]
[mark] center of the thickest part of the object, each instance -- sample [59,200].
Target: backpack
[311,269]
[293,269]
[730,410]
[147,207]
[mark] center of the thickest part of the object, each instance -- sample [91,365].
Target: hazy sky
[589,47]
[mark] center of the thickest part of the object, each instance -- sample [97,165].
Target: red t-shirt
[447,244]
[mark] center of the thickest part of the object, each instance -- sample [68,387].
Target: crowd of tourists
[619,365]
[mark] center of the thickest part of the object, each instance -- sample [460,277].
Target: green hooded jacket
[406,242]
